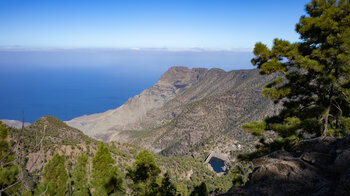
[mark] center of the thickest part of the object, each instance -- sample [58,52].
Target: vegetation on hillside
[55,177]
[80,177]
[8,168]
[86,166]
[314,87]
[51,158]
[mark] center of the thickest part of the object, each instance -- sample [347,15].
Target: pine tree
[181,188]
[105,176]
[79,177]
[144,173]
[314,82]
[55,177]
[237,179]
[8,169]
[200,190]
[166,188]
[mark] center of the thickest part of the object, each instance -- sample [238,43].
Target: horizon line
[160,49]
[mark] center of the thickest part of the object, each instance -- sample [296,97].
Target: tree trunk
[325,124]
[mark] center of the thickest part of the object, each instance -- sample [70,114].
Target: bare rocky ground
[14,123]
[320,166]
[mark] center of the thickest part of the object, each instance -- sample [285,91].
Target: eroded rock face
[320,167]
[103,125]
[186,111]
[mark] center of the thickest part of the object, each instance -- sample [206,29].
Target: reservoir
[217,164]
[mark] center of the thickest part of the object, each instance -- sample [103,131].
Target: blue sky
[75,57]
[216,24]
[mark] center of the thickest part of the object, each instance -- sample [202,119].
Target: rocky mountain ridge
[172,83]
[187,112]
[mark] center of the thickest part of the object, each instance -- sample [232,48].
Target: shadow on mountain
[320,166]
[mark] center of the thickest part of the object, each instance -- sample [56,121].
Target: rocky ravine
[187,111]
[319,167]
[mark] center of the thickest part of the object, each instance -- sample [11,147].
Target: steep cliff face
[207,117]
[172,83]
[187,111]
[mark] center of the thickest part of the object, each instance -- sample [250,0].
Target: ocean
[68,83]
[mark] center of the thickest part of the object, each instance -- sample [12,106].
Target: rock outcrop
[320,166]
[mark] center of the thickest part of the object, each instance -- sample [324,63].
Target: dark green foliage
[181,189]
[237,180]
[240,174]
[55,177]
[315,84]
[287,143]
[200,190]
[105,176]
[145,167]
[8,169]
[256,128]
[79,177]
[144,174]
[167,188]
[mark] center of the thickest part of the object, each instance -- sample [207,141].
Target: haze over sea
[68,83]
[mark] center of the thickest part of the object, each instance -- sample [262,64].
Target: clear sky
[148,23]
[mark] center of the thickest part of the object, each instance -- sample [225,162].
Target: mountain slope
[186,112]
[172,83]
[203,124]
[52,136]
[190,124]
[58,137]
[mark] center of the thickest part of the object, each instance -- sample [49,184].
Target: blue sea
[68,83]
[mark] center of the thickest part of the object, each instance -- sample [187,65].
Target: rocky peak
[183,75]
[216,71]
